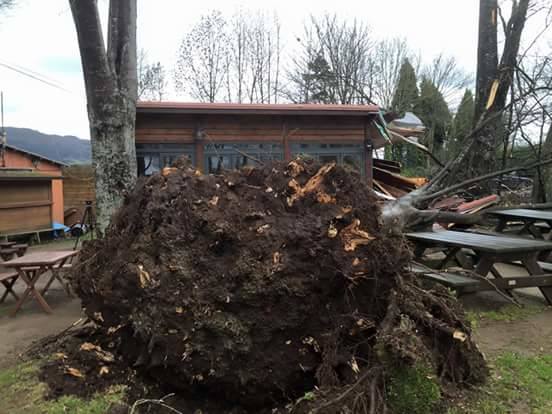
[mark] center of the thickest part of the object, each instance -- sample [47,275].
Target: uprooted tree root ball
[270,288]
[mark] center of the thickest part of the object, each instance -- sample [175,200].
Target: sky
[39,36]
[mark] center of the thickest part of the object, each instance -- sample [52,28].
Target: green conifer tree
[433,110]
[462,124]
[404,100]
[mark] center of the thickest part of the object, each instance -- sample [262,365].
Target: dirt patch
[257,288]
[530,336]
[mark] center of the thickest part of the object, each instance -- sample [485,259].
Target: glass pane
[240,161]
[327,158]
[148,164]
[216,163]
[352,161]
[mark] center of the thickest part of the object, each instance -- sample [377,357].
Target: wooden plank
[452,280]
[25,219]
[15,192]
[49,258]
[480,242]
[26,204]
[522,214]
[152,139]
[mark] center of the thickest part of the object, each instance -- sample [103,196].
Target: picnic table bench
[7,253]
[532,220]
[32,266]
[489,250]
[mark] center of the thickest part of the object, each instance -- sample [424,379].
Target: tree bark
[480,157]
[542,183]
[487,54]
[111,89]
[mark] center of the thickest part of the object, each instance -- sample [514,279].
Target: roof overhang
[14,174]
[35,155]
[255,109]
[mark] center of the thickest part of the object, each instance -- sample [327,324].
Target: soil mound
[260,286]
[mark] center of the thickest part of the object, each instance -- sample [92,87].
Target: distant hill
[67,149]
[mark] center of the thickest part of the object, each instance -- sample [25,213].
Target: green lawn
[22,393]
[519,385]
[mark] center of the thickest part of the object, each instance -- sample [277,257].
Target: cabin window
[152,157]
[220,156]
[347,155]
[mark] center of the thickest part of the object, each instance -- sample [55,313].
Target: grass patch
[519,385]
[412,390]
[508,313]
[22,393]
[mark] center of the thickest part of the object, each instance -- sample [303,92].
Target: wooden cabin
[31,192]
[215,135]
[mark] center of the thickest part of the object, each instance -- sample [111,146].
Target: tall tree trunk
[542,183]
[482,160]
[487,54]
[111,89]
[480,156]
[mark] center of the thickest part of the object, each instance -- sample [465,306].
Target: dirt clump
[258,287]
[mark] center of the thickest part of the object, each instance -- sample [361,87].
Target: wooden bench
[8,279]
[7,254]
[21,249]
[36,233]
[464,284]
[489,250]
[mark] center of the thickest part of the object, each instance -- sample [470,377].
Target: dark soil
[254,288]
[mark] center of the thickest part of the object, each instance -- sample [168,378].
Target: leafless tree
[152,81]
[447,75]
[111,87]
[253,58]
[388,57]
[202,61]
[335,56]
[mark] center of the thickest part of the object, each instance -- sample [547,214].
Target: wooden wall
[21,159]
[25,206]
[78,188]
[169,128]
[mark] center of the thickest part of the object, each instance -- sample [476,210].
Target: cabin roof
[255,109]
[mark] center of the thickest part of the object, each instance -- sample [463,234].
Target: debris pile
[258,287]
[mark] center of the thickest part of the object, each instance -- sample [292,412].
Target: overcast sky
[39,35]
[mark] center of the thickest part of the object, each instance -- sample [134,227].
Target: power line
[32,76]
[38,74]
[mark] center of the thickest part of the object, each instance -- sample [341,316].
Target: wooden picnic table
[32,266]
[528,217]
[6,244]
[490,250]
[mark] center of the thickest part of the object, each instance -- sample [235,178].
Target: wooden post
[285,141]
[368,156]
[199,149]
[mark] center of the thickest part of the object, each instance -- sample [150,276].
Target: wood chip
[168,170]
[214,201]
[353,236]
[74,372]
[144,276]
[104,371]
[313,185]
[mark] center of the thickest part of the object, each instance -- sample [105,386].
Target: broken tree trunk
[493,84]
[111,89]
